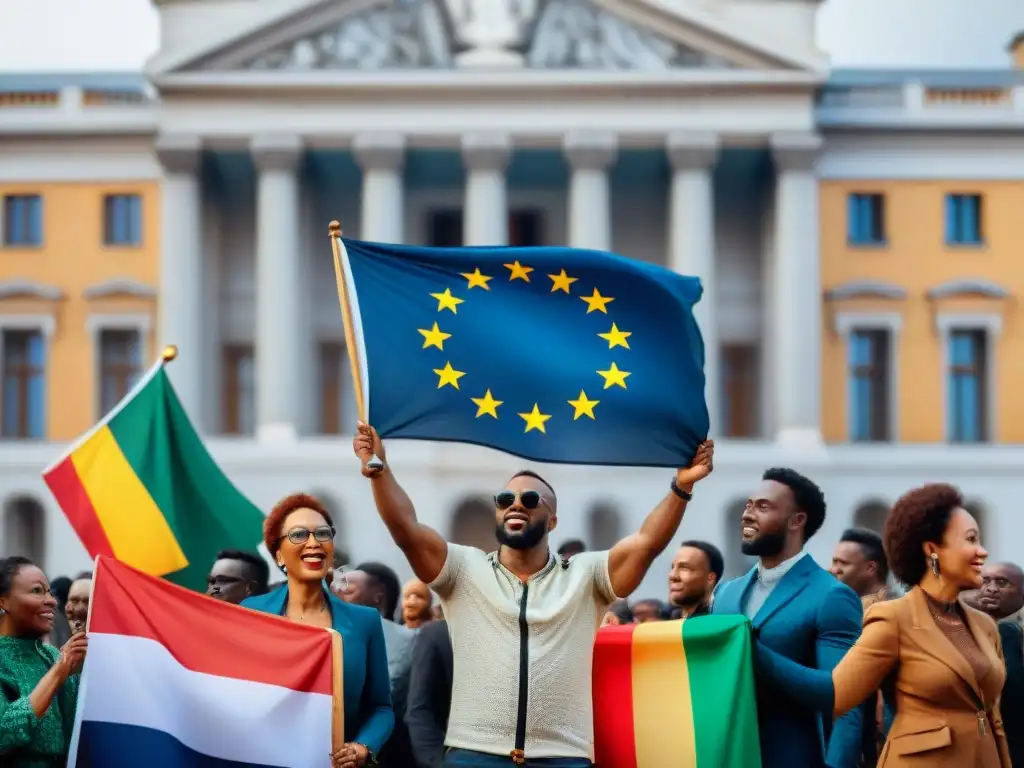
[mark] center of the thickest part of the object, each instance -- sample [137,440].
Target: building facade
[854,232]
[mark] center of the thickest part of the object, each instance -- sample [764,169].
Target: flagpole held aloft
[334,232]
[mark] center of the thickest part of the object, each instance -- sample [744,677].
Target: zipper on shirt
[518,754]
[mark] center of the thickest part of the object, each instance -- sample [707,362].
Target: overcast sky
[51,35]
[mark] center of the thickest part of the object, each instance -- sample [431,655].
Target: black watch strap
[684,495]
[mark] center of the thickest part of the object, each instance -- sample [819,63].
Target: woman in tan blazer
[942,657]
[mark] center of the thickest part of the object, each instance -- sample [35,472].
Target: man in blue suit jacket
[800,611]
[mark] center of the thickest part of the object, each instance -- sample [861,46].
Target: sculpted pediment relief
[498,34]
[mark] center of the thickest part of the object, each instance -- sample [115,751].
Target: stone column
[486,157]
[279,289]
[691,240]
[590,153]
[181,316]
[797,284]
[382,158]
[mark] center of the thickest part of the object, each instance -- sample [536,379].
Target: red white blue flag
[173,678]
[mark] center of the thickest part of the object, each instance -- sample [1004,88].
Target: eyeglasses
[529,499]
[297,536]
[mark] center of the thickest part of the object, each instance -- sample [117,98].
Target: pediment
[968,288]
[390,35]
[866,289]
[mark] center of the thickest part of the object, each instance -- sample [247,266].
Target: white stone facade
[260,105]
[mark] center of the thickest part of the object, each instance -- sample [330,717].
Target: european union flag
[551,354]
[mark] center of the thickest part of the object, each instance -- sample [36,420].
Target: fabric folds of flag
[677,693]
[178,679]
[140,486]
[551,354]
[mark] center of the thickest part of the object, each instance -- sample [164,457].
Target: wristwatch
[684,495]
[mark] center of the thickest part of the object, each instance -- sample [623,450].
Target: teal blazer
[369,716]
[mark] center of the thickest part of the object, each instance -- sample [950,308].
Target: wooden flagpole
[334,231]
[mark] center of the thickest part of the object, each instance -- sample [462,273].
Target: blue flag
[552,354]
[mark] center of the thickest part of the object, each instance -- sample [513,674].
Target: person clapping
[38,683]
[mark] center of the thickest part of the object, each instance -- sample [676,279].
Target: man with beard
[522,621]
[696,570]
[801,617]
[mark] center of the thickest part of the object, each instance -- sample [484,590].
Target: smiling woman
[38,683]
[299,535]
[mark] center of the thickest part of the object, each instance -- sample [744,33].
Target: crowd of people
[907,651]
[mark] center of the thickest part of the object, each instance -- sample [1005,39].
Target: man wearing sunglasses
[522,621]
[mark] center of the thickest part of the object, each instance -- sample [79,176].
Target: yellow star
[448,375]
[519,272]
[596,302]
[447,301]
[616,338]
[535,419]
[477,280]
[583,406]
[435,337]
[561,282]
[614,376]
[486,404]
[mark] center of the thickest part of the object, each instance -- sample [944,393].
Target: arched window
[736,563]
[473,524]
[604,526]
[24,529]
[871,515]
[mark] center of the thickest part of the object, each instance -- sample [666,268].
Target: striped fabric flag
[676,693]
[140,486]
[179,680]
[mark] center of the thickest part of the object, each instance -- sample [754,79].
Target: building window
[120,365]
[23,220]
[444,229]
[332,361]
[869,385]
[525,228]
[740,391]
[866,219]
[968,387]
[963,220]
[24,358]
[122,220]
[239,389]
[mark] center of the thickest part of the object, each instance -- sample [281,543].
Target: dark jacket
[1011,636]
[430,694]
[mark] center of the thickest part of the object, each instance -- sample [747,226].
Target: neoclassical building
[854,231]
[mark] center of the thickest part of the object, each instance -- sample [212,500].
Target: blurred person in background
[1002,597]
[78,602]
[236,575]
[696,570]
[570,548]
[618,613]
[38,683]
[648,609]
[417,604]
[1002,590]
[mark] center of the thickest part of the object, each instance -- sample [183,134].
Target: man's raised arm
[631,558]
[424,548]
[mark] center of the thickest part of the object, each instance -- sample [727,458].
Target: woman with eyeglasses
[299,534]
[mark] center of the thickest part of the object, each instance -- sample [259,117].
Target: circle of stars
[488,404]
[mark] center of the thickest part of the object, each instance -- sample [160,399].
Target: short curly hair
[807,496]
[920,515]
[283,508]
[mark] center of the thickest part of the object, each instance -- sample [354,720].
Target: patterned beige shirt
[487,607]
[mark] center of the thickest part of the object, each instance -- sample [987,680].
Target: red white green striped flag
[676,693]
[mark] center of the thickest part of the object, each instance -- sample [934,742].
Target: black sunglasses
[529,499]
[297,536]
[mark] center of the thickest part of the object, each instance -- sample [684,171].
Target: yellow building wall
[73,258]
[917,258]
